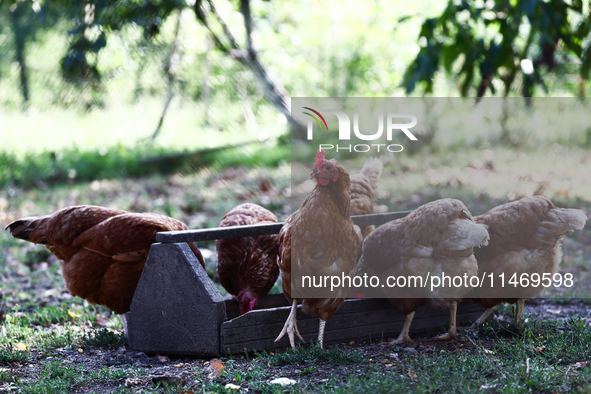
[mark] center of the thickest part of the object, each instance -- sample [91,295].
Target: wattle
[322,181]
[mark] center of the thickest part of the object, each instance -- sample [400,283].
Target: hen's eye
[326,167]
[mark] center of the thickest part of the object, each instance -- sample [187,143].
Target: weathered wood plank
[357,320]
[377,219]
[210,234]
[176,309]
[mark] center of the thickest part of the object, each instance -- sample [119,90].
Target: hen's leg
[452,333]
[321,333]
[519,310]
[124,323]
[291,326]
[404,337]
[483,317]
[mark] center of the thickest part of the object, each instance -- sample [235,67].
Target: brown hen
[247,267]
[525,239]
[320,239]
[103,250]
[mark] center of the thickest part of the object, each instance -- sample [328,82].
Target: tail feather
[559,222]
[373,168]
[26,229]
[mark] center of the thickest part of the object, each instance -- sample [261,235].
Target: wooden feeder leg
[176,308]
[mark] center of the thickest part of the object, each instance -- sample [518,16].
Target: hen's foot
[402,340]
[291,327]
[445,337]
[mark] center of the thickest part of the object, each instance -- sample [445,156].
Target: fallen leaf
[487,386]
[412,375]
[129,382]
[283,381]
[580,364]
[539,349]
[486,351]
[188,392]
[231,386]
[50,293]
[215,369]
[74,314]
[163,359]
[21,346]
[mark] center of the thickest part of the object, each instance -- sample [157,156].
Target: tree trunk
[19,44]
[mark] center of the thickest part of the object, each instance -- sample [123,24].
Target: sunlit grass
[183,129]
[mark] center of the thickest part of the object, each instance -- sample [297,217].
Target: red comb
[319,158]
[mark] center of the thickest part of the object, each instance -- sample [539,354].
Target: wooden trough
[176,308]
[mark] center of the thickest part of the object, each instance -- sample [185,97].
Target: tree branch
[170,68]
[245,9]
[272,90]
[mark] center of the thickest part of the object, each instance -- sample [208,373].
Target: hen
[103,250]
[525,238]
[247,267]
[436,238]
[362,186]
[320,239]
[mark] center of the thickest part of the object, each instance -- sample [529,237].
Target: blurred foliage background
[110,89]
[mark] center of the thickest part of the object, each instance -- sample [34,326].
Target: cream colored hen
[437,238]
[362,188]
[525,241]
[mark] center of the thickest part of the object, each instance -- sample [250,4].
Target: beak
[314,174]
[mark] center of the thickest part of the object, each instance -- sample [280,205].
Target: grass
[311,355]
[9,356]
[37,169]
[103,338]
[551,349]
[48,328]
[548,356]
[60,377]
